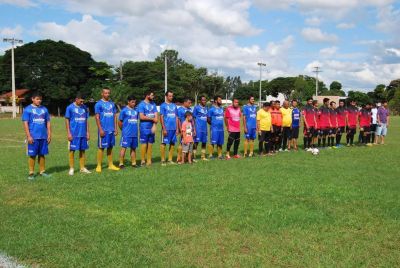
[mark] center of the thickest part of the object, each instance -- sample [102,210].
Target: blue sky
[355,42]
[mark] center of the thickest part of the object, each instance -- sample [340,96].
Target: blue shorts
[146,136]
[201,137]
[217,137]
[78,144]
[381,130]
[170,138]
[251,134]
[38,147]
[129,142]
[108,141]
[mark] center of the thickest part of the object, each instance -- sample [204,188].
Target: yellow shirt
[265,120]
[286,117]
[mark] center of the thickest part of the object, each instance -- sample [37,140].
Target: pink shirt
[233,116]
[187,132]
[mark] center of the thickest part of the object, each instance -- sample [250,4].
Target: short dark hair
[331,103]
[185,99]
[314,102]
[202,96]
[294,100]
[326,100]
[216,97]
[36,95]
[168,91]
[308,99]
[384,101]
[131,97]
[266,104]
[148,92]
[105,88]
[78,95]
[278,101]
[188,113]
[341,100]
[251,96]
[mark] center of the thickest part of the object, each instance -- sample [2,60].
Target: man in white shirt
[374,121]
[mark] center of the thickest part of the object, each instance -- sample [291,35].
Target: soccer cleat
[142,164]
[194,160]
[348,145]
[171,163]
[211,157]
[121,166]
[251,154]
[85,171]
[45,175]
[309,150]
[205,159]
[71,172]
[31,177]
[236,156]
[369,144]
[286,150]
[221,157]
[98,169]
[280,150]
[163,164]
[227,157]
[112,167]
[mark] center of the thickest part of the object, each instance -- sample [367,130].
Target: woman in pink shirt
[232,122]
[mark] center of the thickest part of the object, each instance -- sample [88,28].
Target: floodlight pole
[13,41]
[261,64]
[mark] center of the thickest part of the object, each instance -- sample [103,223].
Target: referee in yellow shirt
[264,130]
[286,124]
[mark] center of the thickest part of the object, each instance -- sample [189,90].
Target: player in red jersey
[334,124]
[351,119]
[308,114]
[341,122]
[365,117]
[324,121]
[317,131]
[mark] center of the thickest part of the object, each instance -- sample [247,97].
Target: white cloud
[316,35]
[20,3]
[313,21]
[328,52]
[8,32]
[345,26]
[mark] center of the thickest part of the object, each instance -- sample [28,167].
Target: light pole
[165,72]
[317,71]
[13,41]
[261,64]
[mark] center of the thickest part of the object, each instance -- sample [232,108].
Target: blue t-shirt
[107,111]
[129,118]
[200,115]
[77,116]
[250,112]
[181,113]
[216,114]
[296,117]
[37,118]
[169,112]
[149,110]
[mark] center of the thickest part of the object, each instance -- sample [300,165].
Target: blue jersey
[77,116]
[149,110]
[37,118]
[200,115]
[169,111]
[216,114]
[107,111]
[129,118]
[181,113]
[250,112]
[296,117]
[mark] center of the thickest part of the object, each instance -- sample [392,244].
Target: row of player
[277,128]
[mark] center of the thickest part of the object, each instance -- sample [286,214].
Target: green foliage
[360,97]
[394,103]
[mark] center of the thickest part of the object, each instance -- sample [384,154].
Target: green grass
[341,208]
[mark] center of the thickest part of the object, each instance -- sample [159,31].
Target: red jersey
[341,116]
[276,117]
[333,117]
[324,117]
[365,117]
[309,115]
[317,118]
[352,115]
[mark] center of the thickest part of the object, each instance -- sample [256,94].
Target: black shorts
[341,130]
[308,131]
[333,131]
[351,130]
[325,131]
[373,127]
[316,132]
[286,132]
[277,130]
[265,136]
[295,133]
[366,129]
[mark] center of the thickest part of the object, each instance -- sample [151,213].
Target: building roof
[20,93]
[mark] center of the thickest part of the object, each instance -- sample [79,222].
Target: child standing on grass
[36,120]
[188,132]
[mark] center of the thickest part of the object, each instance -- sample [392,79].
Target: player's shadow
[65,168]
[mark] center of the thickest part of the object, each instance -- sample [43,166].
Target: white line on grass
[8,262]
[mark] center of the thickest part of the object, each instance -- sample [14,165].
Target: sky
[356,42]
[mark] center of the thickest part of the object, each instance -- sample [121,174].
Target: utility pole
[261,64]
[165,72]
[13,41]
[317,71]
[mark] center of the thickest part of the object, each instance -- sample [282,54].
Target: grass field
[341,209]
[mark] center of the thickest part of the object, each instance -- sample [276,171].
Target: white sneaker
[85,171]
[71,172]
[280,150]
[309,149]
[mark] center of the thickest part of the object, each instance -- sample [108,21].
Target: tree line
[59,70]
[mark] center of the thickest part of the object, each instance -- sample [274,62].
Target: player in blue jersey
[296,117]
[36,122]
[76,122]
[250,125]
[200,113]
[216,120]
[148,116]
[128,123]
[187,103]
[170,127]
[106,121]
